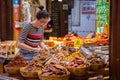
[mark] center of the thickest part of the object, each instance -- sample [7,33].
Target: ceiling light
[60,0]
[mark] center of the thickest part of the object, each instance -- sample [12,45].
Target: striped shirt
[31,35]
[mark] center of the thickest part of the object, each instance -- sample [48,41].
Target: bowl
[53,77]
[28,74]
[12,70]
[78,71]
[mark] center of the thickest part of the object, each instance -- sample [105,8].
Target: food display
[17,61]
[53,69]
[73,55]
[69,49]
[61,58]
[34,66]
[58,58]
[78,66]
[78,62]
[101,39]
[65,52]
[50,43]
[43,56]
[31,70]
[96,62]
[13,67]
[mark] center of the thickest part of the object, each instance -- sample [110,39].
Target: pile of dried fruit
[43,56]
[78,62]
[54,69]
[34,66]
[61,58]
[17,61]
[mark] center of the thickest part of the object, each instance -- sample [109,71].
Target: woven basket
[12,70]
[95,67]
[27,74]
[58,77]
[78,71]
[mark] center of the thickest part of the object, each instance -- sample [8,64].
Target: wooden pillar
[3,19]
[6,30]
[115,40]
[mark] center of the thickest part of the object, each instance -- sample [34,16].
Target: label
[101,29]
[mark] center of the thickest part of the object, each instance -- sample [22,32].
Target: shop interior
[80,36]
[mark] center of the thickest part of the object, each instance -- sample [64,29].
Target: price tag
[78,43]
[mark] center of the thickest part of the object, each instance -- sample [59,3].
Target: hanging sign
[88,7]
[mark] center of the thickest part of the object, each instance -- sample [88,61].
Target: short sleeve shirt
[31,35]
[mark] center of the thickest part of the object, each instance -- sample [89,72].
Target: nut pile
[96,60]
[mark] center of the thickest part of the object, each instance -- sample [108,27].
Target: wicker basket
[58,77]
[78,71]
[27,74]
[12,70]
[95,67]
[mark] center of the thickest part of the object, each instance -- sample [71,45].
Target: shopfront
[7,31]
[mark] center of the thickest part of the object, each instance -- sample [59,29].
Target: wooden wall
[6,26]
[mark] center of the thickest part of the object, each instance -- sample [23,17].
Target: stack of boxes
[8,49]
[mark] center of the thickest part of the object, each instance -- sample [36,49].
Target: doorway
[59,13]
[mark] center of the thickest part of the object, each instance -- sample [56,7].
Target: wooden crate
[9,47]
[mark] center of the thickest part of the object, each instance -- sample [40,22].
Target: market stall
[69,57]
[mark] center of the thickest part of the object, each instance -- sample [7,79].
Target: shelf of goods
[8,49]
[102,16]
